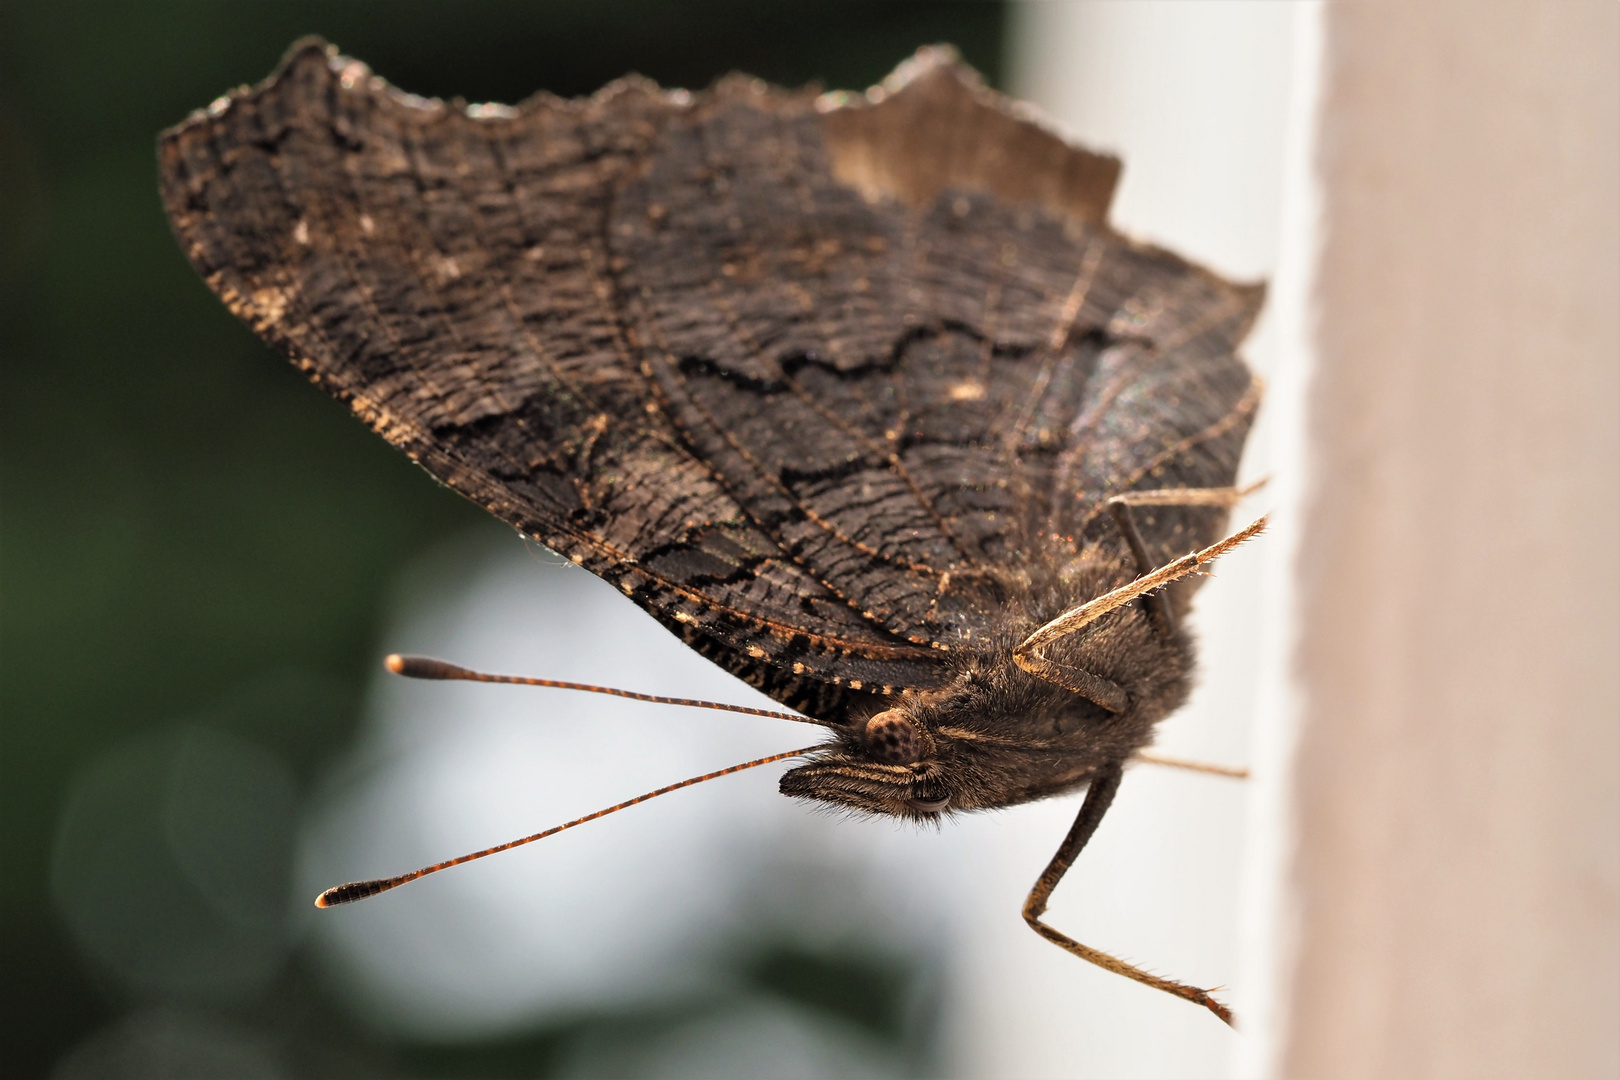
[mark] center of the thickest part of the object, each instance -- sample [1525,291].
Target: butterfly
[858,394]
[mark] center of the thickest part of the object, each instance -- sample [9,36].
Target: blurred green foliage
[182,518]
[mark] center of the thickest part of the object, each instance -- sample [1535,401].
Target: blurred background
[204,559]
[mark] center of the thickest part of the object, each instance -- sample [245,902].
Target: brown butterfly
[859,395]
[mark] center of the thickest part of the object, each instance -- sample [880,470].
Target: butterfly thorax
[995,735]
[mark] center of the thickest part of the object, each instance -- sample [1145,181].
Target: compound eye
[892,738]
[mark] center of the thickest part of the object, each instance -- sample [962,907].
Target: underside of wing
[813,381]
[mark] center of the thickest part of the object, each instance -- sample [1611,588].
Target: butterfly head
[938,752]
[888,763]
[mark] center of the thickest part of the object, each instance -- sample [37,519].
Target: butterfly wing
[798,397]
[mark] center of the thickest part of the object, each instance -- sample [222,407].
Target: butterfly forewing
[809,409]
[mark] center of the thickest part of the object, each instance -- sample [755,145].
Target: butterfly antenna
[425,667]
[360,890]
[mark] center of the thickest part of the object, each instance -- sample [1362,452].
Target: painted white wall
[1457,874]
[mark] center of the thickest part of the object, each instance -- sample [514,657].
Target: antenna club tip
[425,667]
[321,901]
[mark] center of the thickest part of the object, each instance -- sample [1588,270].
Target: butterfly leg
[1157,604]
[1099,796]
[1105,692]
